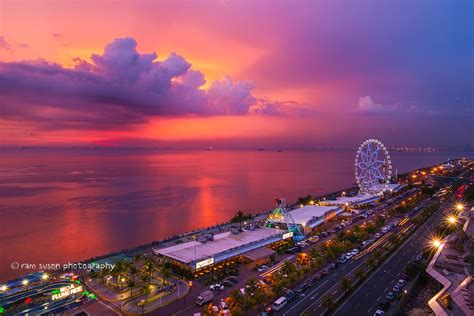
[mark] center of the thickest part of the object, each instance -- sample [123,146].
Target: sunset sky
[272,74]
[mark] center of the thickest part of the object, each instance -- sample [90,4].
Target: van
[279,303]
[204,298]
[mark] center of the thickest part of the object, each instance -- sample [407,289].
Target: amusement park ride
[373,173]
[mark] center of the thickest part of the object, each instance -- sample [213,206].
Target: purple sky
[237,73]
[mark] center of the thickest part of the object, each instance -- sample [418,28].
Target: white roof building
[224,246]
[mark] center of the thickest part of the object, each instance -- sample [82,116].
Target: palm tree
[238,218]
[131,284]
[359,273]
[328,302]
[149,268]
[346,284]
[146,290]
[165,273]
[133,271]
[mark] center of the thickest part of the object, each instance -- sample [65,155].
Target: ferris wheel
[373,167]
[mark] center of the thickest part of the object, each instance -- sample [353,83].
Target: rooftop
[351,200]
[224,245]
[310,213]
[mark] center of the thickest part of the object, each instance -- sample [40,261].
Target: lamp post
[25,283]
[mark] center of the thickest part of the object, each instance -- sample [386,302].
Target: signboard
[204,263]
[287,235]
[66,291]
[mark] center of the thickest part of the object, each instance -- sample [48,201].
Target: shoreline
[150,245]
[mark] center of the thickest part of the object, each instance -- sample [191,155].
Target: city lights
[459,207]
[3,288]
[436,243]
[25,282]
[44,276]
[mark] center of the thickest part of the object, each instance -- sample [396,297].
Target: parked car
[279,303]
[289,295]
[384,305]
[232,279]
[326,271]
[342,259]
[318,276]
[355,251]
[227,283]
[402,282]
[323,234]
[216,287]
[397,288]
[379,313]
[349,255]
[204,298]
[390,296]
[377,235]
[262,268]
[223,306]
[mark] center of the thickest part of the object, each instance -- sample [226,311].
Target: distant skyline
[236,74]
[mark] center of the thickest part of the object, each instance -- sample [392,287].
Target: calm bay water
[62,205]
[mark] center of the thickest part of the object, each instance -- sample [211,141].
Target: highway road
[310,301]
[366,299]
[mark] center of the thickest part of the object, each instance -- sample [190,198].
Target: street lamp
[25,283]
[436,243]
[459,206]
[44,276]
[3,288]
[452,219]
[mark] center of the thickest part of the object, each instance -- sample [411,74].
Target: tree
[371,262]
[359,273]
[131,284]
[165,273]
[328,302]
[346,284]
[133,271]
[146,290]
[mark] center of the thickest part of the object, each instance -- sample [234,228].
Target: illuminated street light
[44,276]
[452,219]
[3,288]
[459,207]
[436,243]
[25,282]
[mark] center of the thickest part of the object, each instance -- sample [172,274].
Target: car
[384,305]
[289,295]
[323,234]
[227,283]
[223,305]
[355,251]
[279,303]
[379,313]
[318,276]
[216,287]
[419,257]
[377,235]
[390,296]
[298,291]
[307,285]
[384,230]
[402,282]
[397,288]
[232,279]
[262,268]
[326,271]
[342,259]
[332,265]
[349,255]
